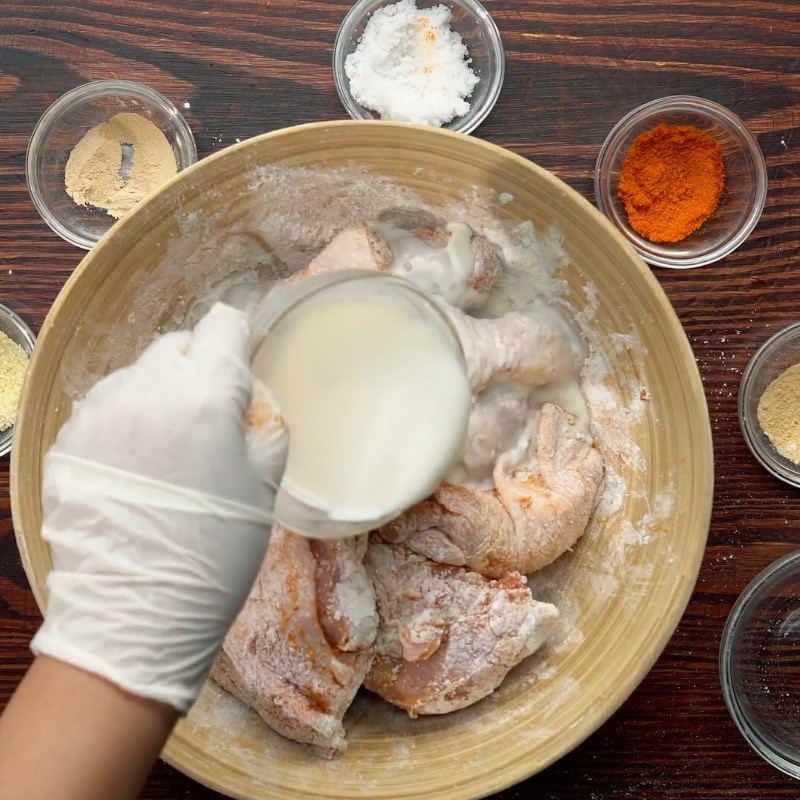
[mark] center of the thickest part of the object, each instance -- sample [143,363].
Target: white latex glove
[157,514]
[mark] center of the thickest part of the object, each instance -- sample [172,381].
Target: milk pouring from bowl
[371,380]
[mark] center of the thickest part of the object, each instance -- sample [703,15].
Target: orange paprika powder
[671,181]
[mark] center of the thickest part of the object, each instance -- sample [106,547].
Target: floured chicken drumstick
[303,643]
[448,637]
[540,507]
[515,348]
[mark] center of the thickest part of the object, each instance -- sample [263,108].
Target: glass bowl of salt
[420,61]
[769,405]
[98,151]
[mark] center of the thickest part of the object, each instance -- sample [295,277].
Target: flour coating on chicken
[303,643]
[433,610]
[448,636]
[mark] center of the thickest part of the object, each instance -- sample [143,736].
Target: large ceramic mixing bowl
[622,590]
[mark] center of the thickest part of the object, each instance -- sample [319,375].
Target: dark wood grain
[573,68]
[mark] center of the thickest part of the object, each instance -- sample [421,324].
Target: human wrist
[101,741]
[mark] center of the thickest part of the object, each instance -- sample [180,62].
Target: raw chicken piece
[498,424]
[515,348]
[462,527]
[487,264]
[448,637]
[345,596]
[411,218]
[303,643]
[374,246]
[539,508]
[552,493]
[359,247]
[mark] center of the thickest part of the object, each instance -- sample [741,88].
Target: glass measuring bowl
[277,313]
[760,664]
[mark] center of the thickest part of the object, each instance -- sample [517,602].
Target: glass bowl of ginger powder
[683,180]
[769,405]
[98,151]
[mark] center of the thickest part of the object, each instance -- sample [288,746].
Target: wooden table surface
[573,68]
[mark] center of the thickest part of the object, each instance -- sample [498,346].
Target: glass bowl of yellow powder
[769,405]
[16,347]
[98,151]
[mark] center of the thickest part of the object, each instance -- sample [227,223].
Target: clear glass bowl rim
[474,117]
[769,576]
[764,456]
[75,97]
[22,327]
[617,137]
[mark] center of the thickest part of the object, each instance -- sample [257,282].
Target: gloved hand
[157,512]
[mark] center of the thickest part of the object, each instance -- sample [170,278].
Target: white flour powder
[410,66]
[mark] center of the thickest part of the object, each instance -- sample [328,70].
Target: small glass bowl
[14,327]
[760,664]
[63,125]
[742,198]
[479,32]
[269,322]
[776,354]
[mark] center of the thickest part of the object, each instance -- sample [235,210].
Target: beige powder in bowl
[95,174]
[779,413]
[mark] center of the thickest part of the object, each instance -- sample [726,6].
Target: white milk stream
[376,399]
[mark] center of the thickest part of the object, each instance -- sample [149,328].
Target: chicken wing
[448,636]
[300,648]
[538,510]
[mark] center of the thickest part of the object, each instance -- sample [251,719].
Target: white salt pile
[410,66]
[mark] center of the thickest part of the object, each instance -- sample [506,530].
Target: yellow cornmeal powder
[13,365]
[779,413]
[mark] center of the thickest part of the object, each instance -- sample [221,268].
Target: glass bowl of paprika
[683,179]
